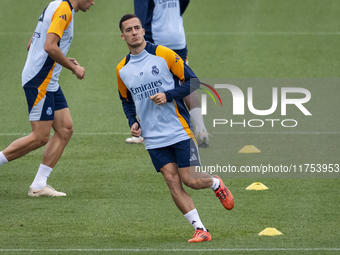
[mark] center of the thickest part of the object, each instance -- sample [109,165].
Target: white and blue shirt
[157,69]
[41,71]
[162,21]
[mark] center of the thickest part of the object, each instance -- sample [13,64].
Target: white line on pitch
[170,250]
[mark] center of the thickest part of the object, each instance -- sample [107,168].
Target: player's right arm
[53,50]
[135,130]
[126,98]
[54,34]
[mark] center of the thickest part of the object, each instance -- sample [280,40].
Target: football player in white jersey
[148,83]
[47,105]
[163,24]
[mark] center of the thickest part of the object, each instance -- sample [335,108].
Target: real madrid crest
[49,111]
[155,70]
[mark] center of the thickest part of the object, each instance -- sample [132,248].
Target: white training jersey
[162,21]
[41,71]
[167,25]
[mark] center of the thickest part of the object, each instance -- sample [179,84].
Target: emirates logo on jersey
[155,70]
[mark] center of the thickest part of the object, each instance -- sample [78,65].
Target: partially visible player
[163,24]
[47,105]
[148,83]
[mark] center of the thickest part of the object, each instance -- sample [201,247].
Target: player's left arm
[182,71]
[189,85]
[159,98]
[141,10]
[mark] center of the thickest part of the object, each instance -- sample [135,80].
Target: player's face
[132,32]
[85,5]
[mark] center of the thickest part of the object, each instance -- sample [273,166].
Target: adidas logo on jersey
[63,17]
[177,58]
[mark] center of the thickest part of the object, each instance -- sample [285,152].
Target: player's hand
[79,71]
[159,98]
[135,130]
[74,61]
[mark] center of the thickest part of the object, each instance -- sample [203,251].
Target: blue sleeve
[183,5]
[129,108]
[144,11]
[141,10]
[190,84]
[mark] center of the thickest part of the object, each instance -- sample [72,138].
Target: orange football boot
[224,194]
[200,236]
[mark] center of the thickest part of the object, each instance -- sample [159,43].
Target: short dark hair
[127,17]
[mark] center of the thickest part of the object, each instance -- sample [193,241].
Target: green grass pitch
[117,203]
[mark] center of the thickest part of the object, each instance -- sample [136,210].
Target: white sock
[216,184]
[197,117]
[3,159]
[194,219]
[40,179]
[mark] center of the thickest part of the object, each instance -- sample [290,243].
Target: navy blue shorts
[184,153]
[43,104]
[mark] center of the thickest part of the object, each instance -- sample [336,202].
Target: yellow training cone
[249,149]
[270,232]
[257,186]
